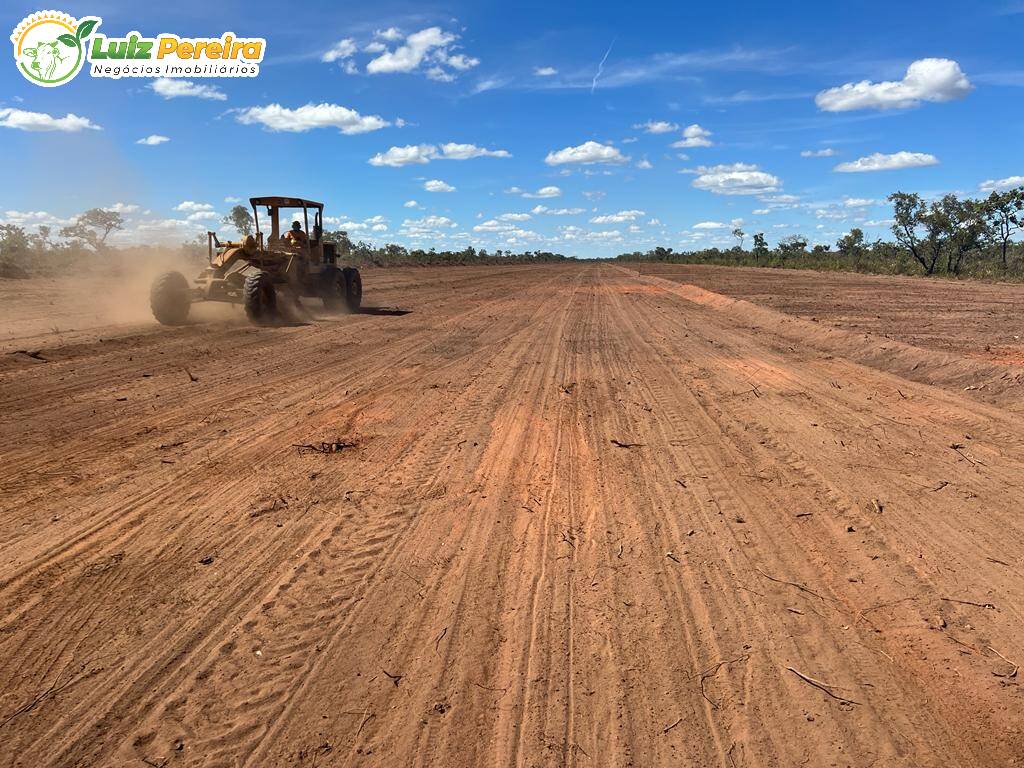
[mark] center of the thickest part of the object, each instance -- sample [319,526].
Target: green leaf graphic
[85,28]
[69,40]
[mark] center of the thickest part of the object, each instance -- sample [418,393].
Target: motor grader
[262,268]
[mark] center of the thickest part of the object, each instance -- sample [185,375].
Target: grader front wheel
[170,298]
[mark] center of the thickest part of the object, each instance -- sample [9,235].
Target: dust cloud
[111,291]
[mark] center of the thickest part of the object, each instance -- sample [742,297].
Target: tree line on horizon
[949,236]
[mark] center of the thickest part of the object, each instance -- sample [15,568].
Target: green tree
[908,211]
[740,236]
[240,218]
[911,215]
[760,246]
[395,252]
[966,229]
[1004,212]
[40,241]
[792,244]
[93,227]
[12,240]
[341,239]
[851,245]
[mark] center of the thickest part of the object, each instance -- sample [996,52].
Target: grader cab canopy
[272,207]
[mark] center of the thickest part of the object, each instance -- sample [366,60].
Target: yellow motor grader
[255,270]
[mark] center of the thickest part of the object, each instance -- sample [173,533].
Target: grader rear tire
[353,289]
[260,298]
[333,289]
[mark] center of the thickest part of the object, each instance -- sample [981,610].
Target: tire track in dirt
[423,462]
[801,464]
[231,347]
[213,399]
[467,418]
[717,494]
[843,410]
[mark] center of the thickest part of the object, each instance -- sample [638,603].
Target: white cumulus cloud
[617,218]
[343,49]
[1001,185]
[429,49]
[735,179]
[153,140]
[829,152]
[694,136]
[544,71]
[427,226]
[33,218]
[656,126]
[493,225]
[40,121]
[587,153]
[882,162]
[412,154]
[173,88]
[192,206]
[372,224]
[543,192]
[459,61]
[125,208]
[453,151]
[411,55]
[925,80]
[274,117]
[436,185]
[539,209]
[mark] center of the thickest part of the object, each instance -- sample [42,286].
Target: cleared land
[582,517]
[982,320]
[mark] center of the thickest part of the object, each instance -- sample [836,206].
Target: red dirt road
[589,518]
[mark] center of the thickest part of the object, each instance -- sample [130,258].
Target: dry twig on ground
[620,444]
[801,587]
[712,671]
[822,687]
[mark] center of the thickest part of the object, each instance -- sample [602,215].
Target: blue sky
[542,145]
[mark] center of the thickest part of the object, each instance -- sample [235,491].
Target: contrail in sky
[600,67]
